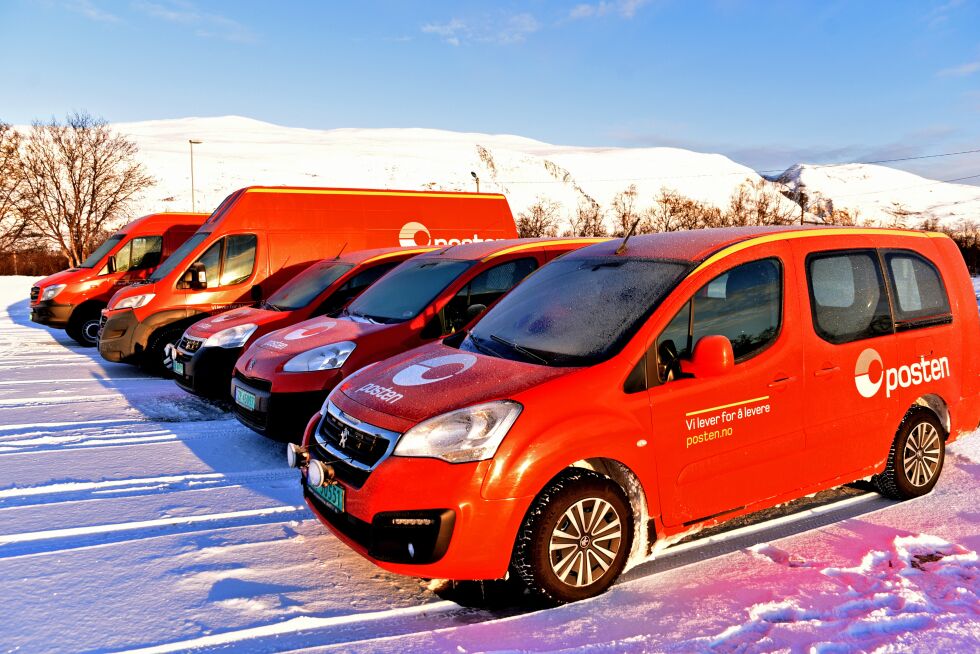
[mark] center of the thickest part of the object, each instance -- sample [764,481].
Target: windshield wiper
[518,348]
[362,316]
[269,306]
[480,348]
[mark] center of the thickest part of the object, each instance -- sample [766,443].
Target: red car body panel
[798,419]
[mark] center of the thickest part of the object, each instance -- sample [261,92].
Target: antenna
[344,247]
[622,246]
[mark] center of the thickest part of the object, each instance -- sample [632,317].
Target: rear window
[848,300]
[920,296]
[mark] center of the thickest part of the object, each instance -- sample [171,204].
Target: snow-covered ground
[135,517]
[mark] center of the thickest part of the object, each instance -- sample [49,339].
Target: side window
[920,297]
[485,289]
[239,259]
[212,263]
[847,296]
[123,257]
[146,251]
[744,305]
[352,288]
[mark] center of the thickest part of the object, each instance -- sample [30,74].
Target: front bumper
[280,416]
[51,314]
[118,336]
[206,372]
[465,537]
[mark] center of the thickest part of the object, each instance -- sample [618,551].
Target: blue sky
[767,83]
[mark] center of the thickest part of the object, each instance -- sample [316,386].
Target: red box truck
[73,299]
[260,237]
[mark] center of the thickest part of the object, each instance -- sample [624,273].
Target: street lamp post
[477,181]
[192,143]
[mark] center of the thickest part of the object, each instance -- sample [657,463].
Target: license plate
[244,399]
[332,495]
[178,368]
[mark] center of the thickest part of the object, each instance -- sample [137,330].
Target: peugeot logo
[250,364]
[342,443]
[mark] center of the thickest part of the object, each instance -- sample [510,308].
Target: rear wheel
[575,538]
[83,326]
[155,358]
[916,457]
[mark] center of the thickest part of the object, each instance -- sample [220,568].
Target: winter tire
[575,538]
[154,358]
[84,327]
[916,457]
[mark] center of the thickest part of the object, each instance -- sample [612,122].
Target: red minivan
[632,392]
[205,356]
[73,299]
[283,378]
[260,237]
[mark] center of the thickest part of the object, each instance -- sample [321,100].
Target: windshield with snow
[575,312]
[178,256]
[102,250]
[404,292]
[302,289]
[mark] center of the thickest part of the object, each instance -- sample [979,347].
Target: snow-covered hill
[884,196]
[239,151]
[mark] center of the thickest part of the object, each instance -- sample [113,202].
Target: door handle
[823,372]
[782,381]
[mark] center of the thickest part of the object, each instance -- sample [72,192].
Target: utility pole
[192,143]
[477,181]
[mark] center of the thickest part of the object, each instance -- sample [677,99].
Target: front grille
[35,293]
[190,345]
[360,446]
[257,384]
[256,419]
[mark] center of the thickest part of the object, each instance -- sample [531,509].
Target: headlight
[231,337]
[51,291]
[134,301]
[470,434]
[327,357]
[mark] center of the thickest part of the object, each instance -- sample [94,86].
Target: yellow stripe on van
[538,244]
[397,254]
[769,238]
[403,194]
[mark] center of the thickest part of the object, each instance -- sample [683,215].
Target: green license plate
[244,398]
[178,368]
[332,495]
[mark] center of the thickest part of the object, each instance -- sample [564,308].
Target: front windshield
[302,289]
[102,250]
[178,256]
[575,312]
[404,292]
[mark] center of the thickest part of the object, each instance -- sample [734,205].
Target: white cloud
[963,70]
[450,32]
[91,11]
[623,8]
[206,25]
[498,30]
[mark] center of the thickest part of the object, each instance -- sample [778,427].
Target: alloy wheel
[585,542]
[920,457]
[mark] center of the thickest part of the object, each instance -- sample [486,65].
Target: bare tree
[79,177]
[588,220]
[13,223]
[540,219]
[625,212]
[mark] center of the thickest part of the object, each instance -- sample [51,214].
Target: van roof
[165,218]
[699,245]
[488,249]
[312,190]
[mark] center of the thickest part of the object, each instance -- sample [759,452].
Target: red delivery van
[283,378]
[260,237]
[73,299]
[205,356]
[651,389]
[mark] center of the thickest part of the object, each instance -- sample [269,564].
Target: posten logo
[434,370]
[415,234]
[870,373]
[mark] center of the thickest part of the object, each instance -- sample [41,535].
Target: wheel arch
[938,406]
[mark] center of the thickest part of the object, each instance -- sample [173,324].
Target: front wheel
[575,539]
[156,358]
[84,327]
[916,457]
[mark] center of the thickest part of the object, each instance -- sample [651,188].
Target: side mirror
[196,276]
[110,264]
[257,293]
[712,357]
[474,310]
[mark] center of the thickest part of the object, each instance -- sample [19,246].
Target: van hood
[434,379]
[70,276]
[233,318]
[315,332]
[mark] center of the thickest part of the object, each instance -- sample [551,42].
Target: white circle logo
[409,235]
[306,332]
[867,370]
[416,374]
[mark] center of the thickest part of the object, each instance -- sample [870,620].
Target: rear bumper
[208,371]
[51,314]
[118,336]
[280,416]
